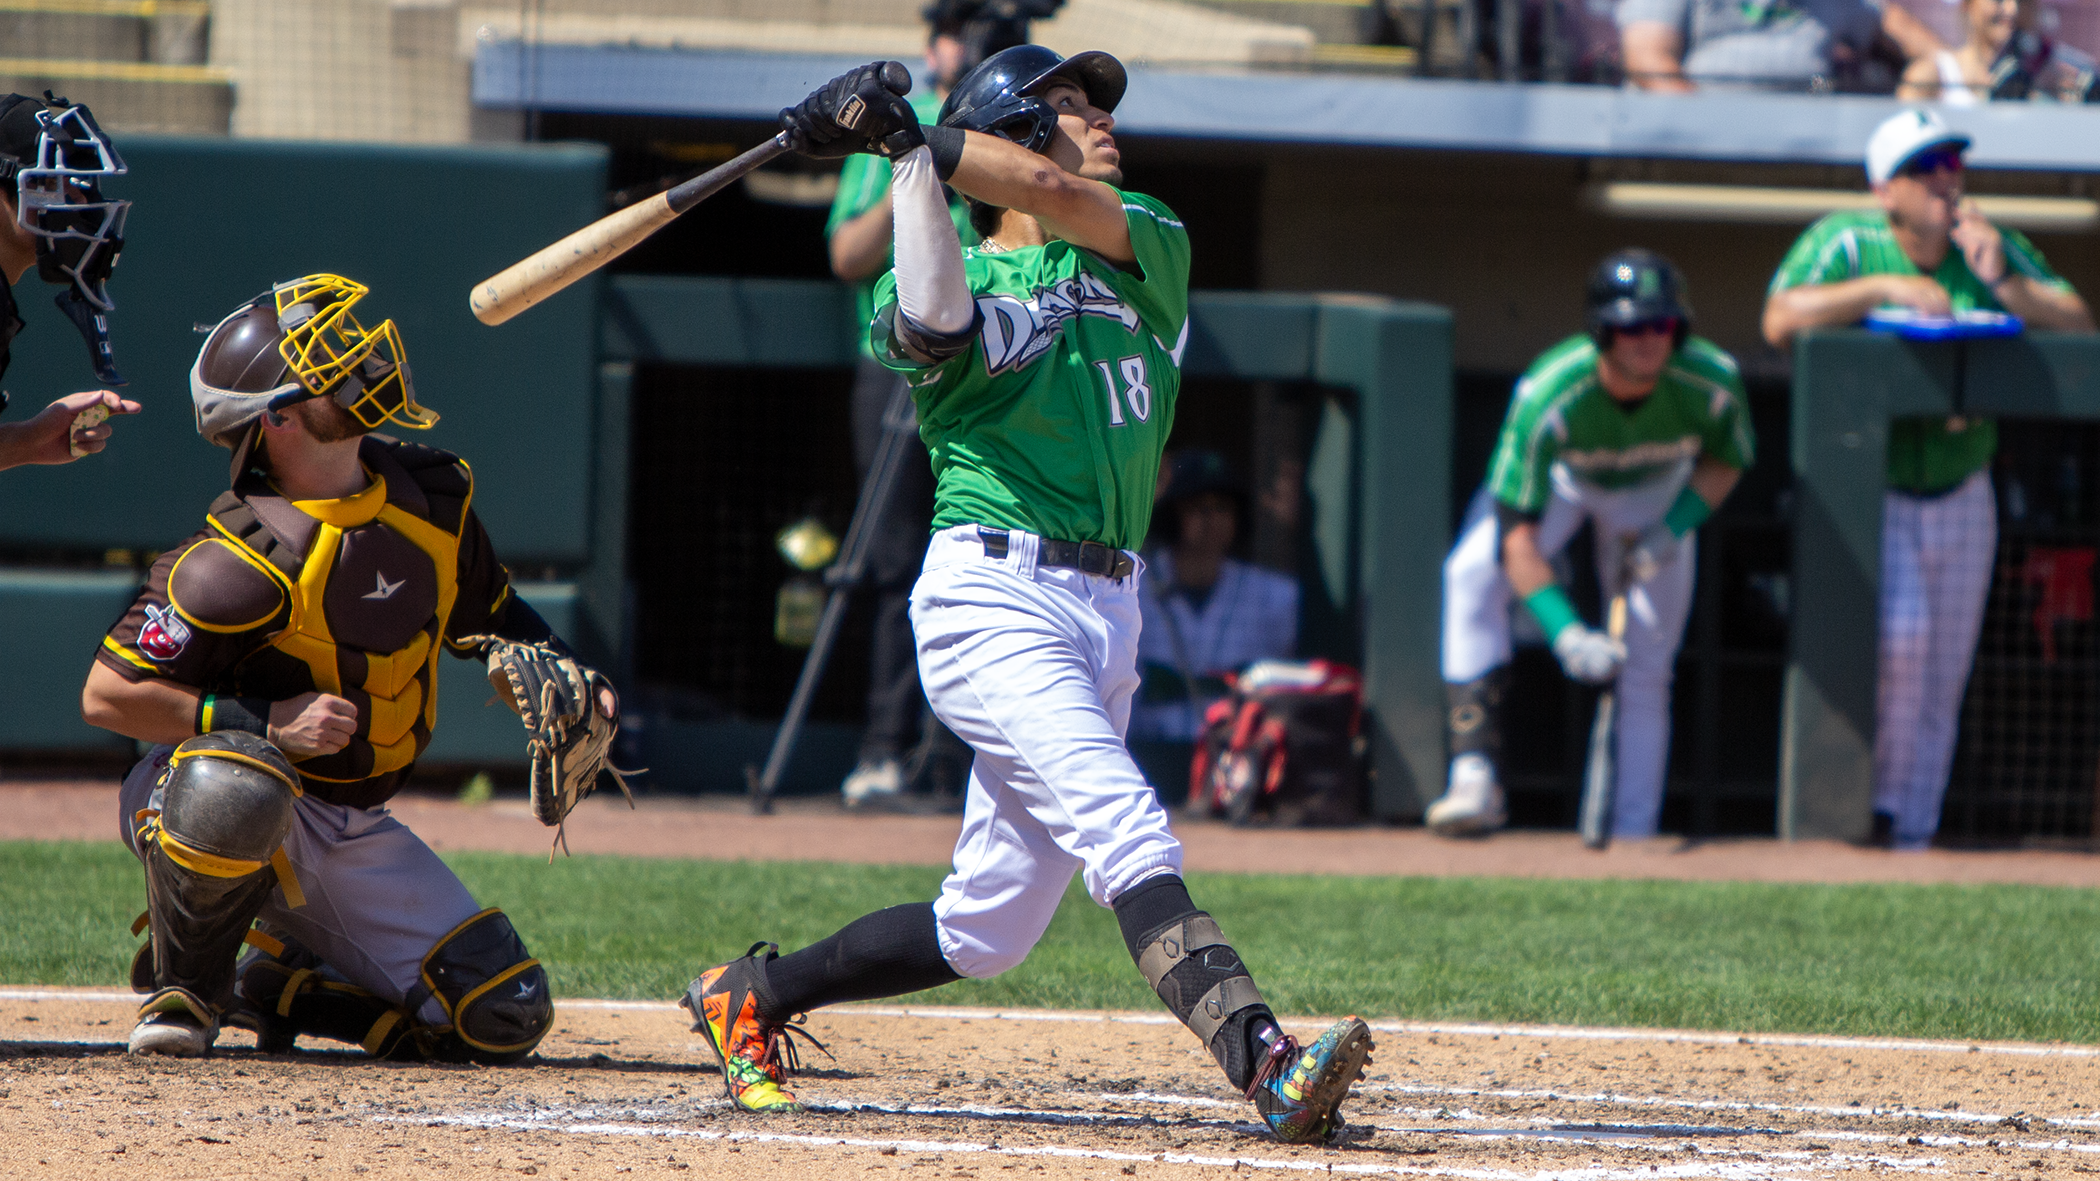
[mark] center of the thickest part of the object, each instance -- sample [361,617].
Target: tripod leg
[897,428]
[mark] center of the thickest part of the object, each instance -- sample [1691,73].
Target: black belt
[1087,557]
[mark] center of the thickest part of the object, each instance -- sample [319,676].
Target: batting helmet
[1635,287]
[1000,97]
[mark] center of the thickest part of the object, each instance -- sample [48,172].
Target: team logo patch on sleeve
[165,634]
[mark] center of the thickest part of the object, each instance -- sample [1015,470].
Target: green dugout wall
[1380,472]
[1847,385]
[539,407]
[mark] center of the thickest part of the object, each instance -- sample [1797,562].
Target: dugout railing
[1847,386]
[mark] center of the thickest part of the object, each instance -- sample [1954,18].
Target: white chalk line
[1465,1029]
[1659,1101]
[1719,1170]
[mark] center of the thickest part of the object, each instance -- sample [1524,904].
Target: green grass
[1980,962]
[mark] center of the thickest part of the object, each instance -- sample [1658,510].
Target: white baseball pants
[1034,667]
[1478,601]
[377,898]
[1936,559]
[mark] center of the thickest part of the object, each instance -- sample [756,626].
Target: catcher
[282,662]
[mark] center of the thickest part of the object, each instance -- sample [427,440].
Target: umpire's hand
[851,113]
[312,724]
[52,436]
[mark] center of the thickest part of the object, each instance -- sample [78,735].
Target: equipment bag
[1285,745]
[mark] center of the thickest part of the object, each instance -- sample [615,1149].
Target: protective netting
[2028,761]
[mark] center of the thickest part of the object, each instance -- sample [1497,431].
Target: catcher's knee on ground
[226,805]
[1185,958]
[493,992]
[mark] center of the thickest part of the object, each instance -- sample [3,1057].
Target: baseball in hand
[93,416]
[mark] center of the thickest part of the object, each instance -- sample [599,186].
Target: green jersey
[1053,420]
[866,180]
[1925,454]
[1560,413]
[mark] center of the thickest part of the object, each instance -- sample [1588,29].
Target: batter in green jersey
[1927,248]
[1045,363]
[1641,429]
[1054,420]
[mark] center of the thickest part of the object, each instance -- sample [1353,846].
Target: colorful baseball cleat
[1299,1095]
[756,1054]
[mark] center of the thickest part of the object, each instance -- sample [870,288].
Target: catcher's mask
[295,342]
[57,158]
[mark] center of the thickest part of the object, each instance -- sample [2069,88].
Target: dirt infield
[820,829]
[624,1089]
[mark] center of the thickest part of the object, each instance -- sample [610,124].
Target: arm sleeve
[156,639]
[487,604]
[933,293]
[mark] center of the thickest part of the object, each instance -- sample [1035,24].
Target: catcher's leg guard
[1185,958]
[287,996]
[226,805]
[494,993]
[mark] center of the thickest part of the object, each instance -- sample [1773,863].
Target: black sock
[887,953]
[1156,904]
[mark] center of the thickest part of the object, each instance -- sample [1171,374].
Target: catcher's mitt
[568,735]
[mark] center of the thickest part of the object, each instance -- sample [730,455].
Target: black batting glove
[848,113]
[899,131]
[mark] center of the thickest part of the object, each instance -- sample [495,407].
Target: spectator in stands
[1809,45]
[1926,248]
[2003,58]
[1205,614]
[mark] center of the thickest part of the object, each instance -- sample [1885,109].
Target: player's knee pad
[493,992]
[1475,715]
[288,996]
[1185,958]
[226,805]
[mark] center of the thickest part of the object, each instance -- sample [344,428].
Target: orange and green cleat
[756,1053]
[1299,1095]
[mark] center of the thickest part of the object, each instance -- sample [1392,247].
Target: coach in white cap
[1929,249]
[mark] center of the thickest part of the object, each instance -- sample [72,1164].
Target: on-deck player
[1640,428]
[283,662]
[1045,363]
[53,158]
[1925,248]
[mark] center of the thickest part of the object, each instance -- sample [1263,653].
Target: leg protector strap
[1184,957]
[1475,718]
[289,997]
[493,991]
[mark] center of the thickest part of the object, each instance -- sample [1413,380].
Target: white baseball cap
[1903,136]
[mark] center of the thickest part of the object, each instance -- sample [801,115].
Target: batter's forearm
[1080,211]
[147,711]
[1522,563]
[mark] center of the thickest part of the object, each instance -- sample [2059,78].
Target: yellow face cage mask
[332,355]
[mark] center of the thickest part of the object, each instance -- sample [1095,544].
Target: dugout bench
[1847,385]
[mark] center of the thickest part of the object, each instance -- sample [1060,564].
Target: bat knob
[896,78]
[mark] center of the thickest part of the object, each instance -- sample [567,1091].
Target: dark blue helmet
[1635,287]
[1000,97]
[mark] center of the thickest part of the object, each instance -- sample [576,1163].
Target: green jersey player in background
[1640,428]
[1045,363]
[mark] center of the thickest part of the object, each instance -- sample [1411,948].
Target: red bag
[1286,744]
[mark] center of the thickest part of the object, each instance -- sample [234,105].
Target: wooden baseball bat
[539,275]
[1600,778]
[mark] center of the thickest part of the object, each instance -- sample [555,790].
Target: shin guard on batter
[1185,958]
[493,991]
[226,805]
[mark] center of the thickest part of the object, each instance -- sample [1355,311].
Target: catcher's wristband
[233,713]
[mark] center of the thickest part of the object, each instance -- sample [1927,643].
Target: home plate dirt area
[623,1088]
